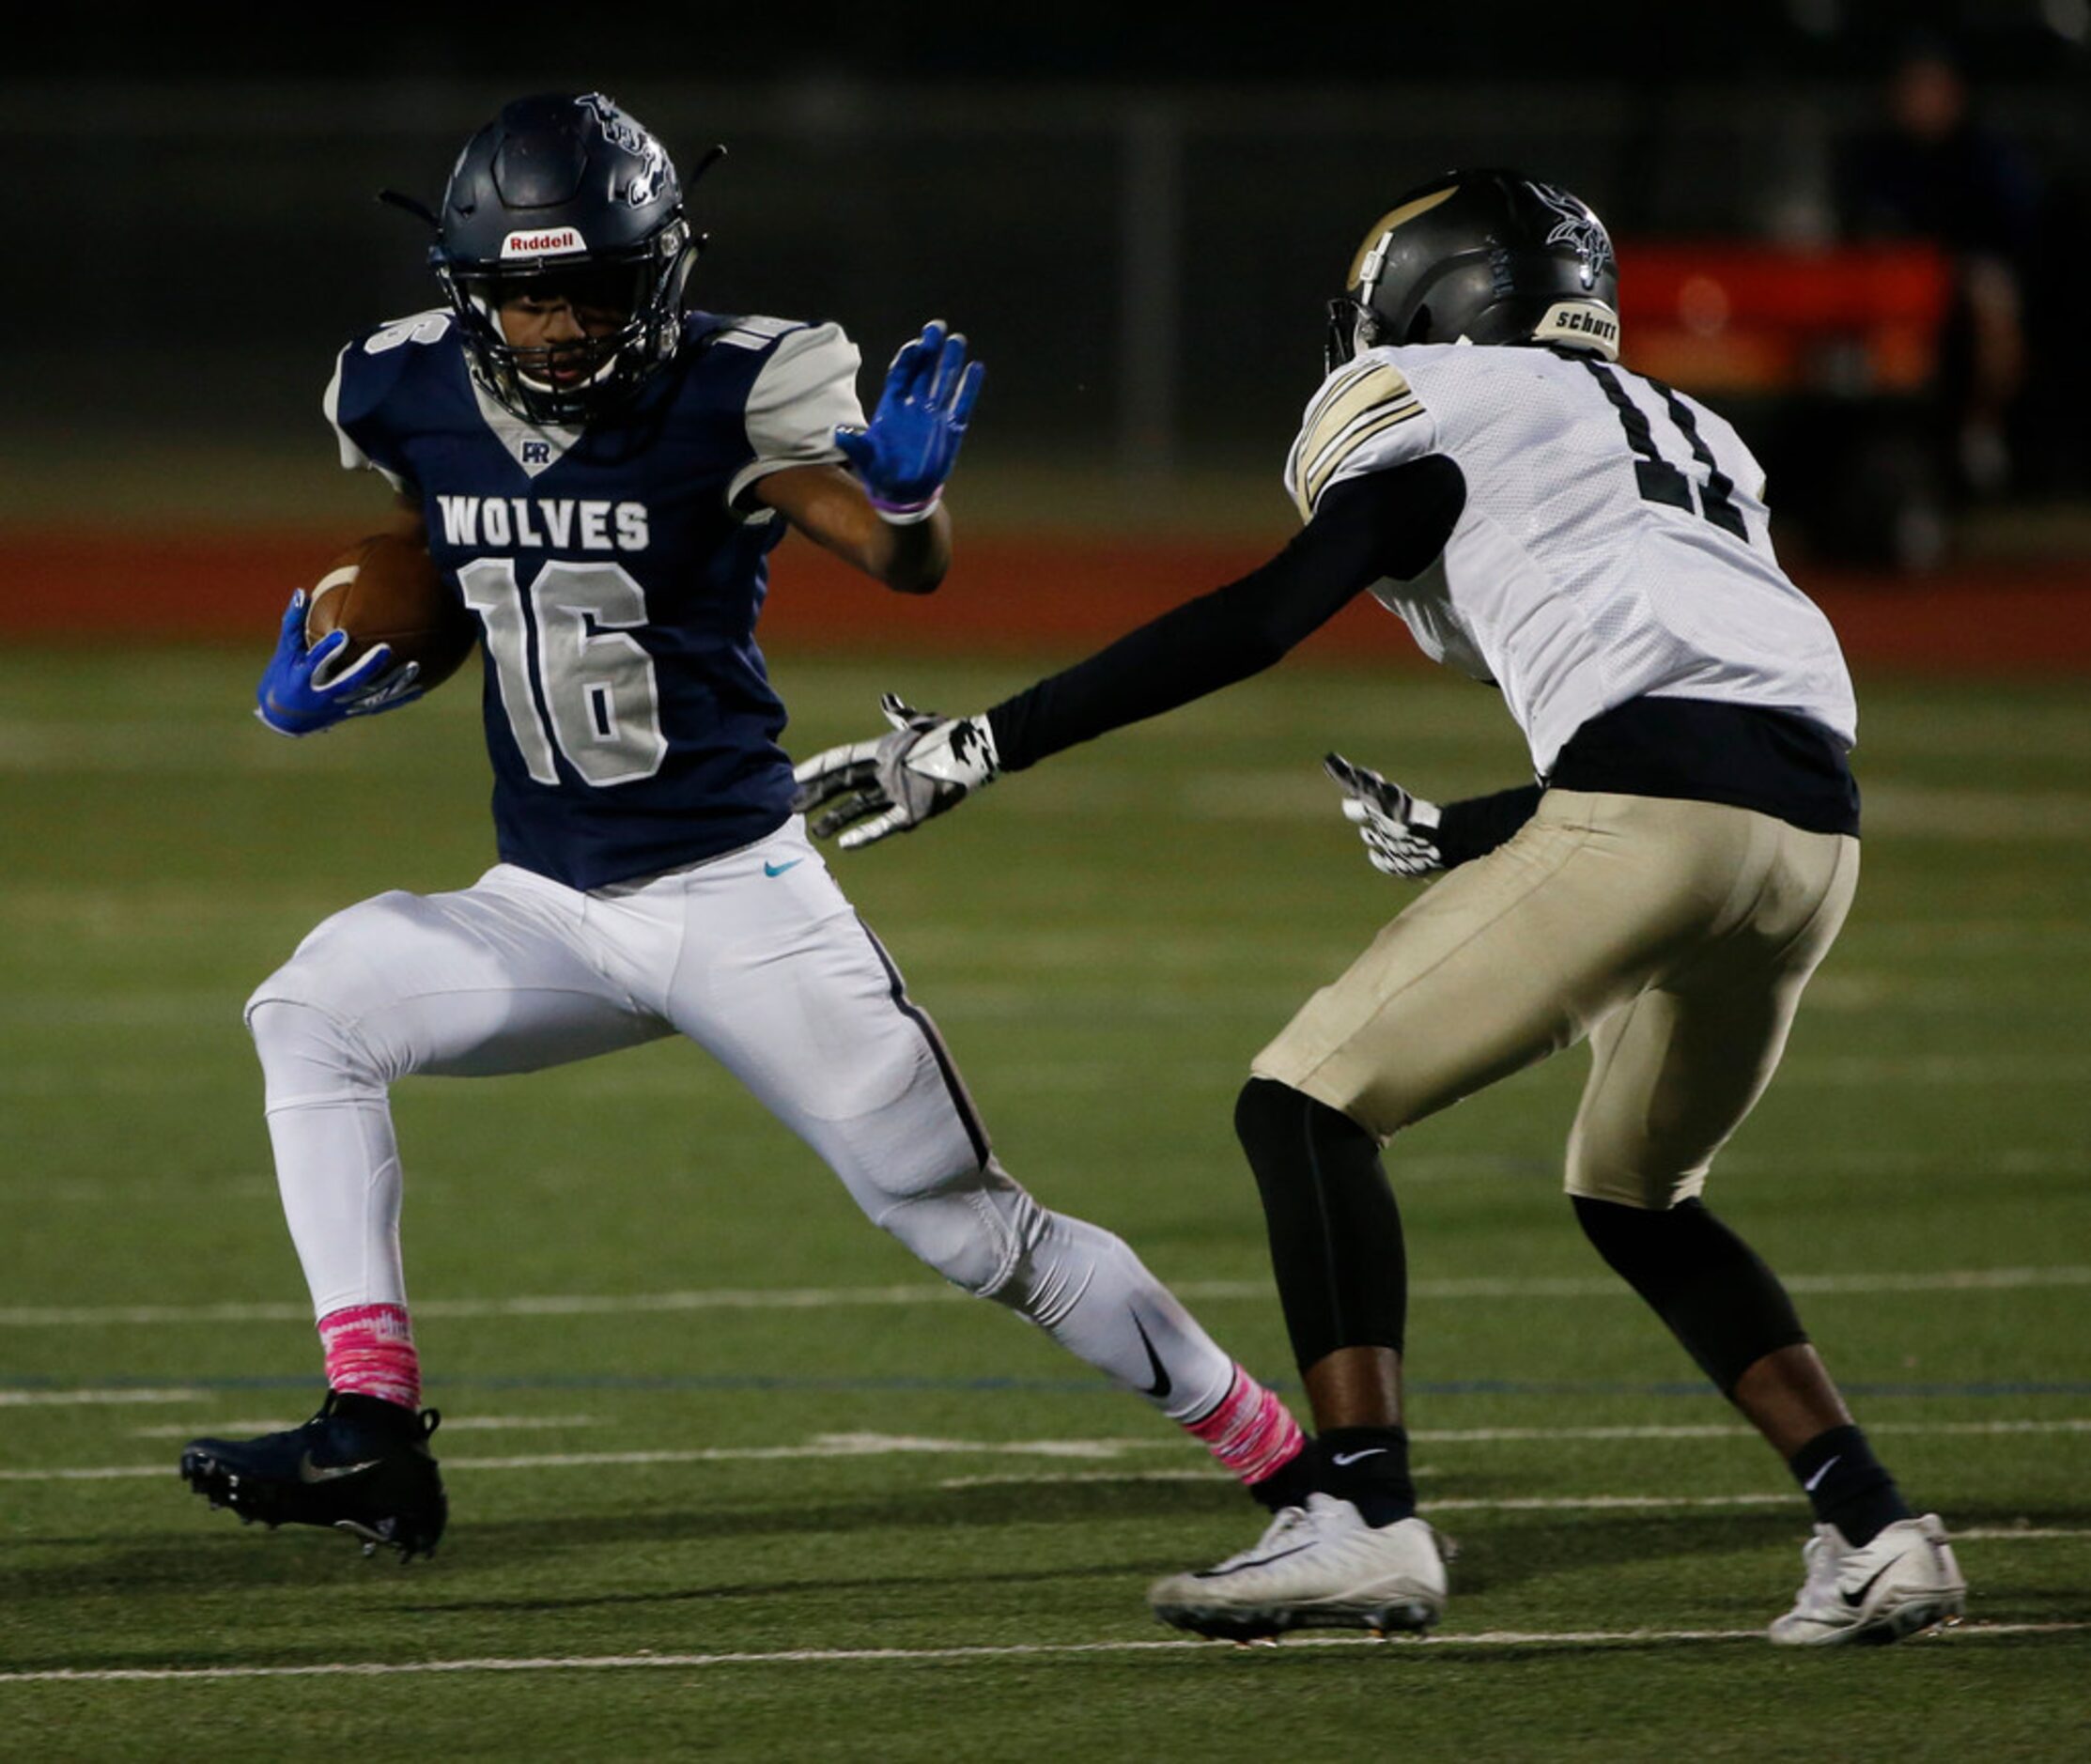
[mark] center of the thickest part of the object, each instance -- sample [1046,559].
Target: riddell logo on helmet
[560,242]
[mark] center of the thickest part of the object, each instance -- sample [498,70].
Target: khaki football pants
[1677,936]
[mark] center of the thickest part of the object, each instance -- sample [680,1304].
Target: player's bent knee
[974,1232]
[1720,1300]
[1626,1183]
[299,1019]
[1273,1117]
[920,1142]
[307,1053]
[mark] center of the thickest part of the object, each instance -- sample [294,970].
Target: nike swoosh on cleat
[1352,1457]
[1239,1568]
[779,869]
[310,1472]
[1854,1599]
[1161,1386]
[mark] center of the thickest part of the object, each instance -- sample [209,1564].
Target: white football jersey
[1614,544]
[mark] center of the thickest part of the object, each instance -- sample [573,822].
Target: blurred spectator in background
[1937,173]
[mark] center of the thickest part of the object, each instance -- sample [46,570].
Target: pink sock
[1251,1433]
[370,1351]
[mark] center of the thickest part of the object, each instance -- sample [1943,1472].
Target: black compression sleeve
[1476,825]
[1386,523]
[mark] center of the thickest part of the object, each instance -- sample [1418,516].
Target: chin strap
[1341,346]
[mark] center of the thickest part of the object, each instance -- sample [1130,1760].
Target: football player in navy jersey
[1595,546]
[601,476]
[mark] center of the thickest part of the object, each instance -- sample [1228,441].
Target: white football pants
[755,956]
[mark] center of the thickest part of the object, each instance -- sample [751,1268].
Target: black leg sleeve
[1712,1289]
[1336,1233]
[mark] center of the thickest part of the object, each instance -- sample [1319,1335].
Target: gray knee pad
[975,1231]
[307,1055]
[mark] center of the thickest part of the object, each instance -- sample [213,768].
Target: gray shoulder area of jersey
[805,391]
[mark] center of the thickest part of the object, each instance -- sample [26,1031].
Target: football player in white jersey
[1594,544]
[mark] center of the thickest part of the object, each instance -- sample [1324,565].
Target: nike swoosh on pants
[1161,1386]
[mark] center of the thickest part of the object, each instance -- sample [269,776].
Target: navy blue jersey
[617,573]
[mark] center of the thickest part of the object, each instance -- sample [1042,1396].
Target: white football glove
[1400,830]
[895,783]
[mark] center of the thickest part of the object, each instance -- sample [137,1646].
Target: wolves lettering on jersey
[568,525]
[1612,544]
[617,574]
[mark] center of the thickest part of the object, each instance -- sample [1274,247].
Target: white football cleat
[1318,1567]
[1904,1581]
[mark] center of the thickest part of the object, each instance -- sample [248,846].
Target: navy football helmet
[566,198]
[1487,256]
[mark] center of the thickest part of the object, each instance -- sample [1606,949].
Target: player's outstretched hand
[894,782]
[1400,830]
[303,691]
[904,457]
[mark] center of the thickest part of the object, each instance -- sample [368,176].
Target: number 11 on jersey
[1661,481]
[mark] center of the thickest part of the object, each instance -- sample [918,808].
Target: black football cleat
[361,1465]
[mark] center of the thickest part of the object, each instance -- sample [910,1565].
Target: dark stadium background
[1134,215]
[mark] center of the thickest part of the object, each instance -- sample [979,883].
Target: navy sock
[1368,1466]
[1848,1486]
[1289,1484]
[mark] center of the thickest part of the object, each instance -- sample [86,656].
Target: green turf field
[731,1476]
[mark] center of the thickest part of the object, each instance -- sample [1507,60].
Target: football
[386,590]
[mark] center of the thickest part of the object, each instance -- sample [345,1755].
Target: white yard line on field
[82,1398]
[459,1424]
[1465,1435]
[1960,1634]
[1094,1451]
[1868,1071]
[845,1297]
[57,1079]
[2012,1534]
[821,1446]
[1505,1503]
[1517,1504]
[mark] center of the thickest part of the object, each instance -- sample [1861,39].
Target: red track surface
[1053,594]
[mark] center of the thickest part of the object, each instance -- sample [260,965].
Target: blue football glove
[303,692]
[904,457]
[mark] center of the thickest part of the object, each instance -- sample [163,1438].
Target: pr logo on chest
[533,523]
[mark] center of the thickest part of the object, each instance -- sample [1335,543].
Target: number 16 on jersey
[596,683]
